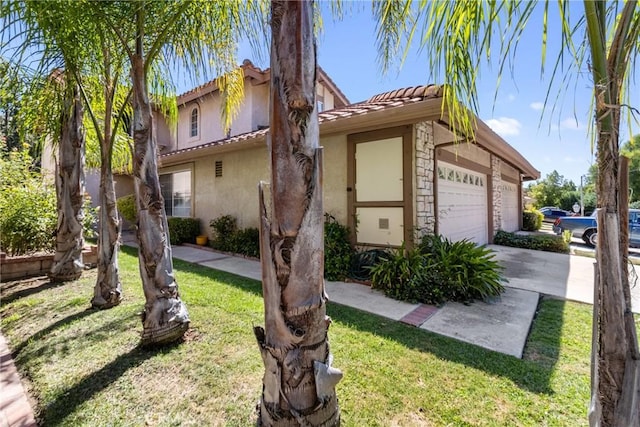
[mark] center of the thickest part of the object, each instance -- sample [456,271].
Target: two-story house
[392,164]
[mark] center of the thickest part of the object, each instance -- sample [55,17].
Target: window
[194,122]
[320,102]
[176,191]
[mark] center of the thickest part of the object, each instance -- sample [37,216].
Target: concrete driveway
[561,275]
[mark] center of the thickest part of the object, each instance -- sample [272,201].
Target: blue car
[552,213]
[586,227]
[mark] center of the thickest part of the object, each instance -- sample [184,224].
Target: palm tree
[67,261]
[26,21]
[456,37]
[299,382]
[194,33]
[53,29]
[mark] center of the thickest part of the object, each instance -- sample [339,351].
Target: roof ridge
[422,92]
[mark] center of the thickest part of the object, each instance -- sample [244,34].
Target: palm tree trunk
[67,262]
[108,289]
[165,317]
[299,382]
[616,378]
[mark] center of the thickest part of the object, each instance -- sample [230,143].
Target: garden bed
[18,267]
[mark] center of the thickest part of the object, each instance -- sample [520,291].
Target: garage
[510,207]
[462,204]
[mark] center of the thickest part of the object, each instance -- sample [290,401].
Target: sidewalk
[500,325]
[15,410]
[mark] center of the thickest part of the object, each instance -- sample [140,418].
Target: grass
[84,367]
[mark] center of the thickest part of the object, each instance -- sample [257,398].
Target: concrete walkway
[500,325]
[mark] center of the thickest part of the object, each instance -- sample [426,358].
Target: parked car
[551,213]
[586,227]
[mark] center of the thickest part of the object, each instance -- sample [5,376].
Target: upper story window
[194,122]
[320,102]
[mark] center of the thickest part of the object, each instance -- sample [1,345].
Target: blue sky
[556,141]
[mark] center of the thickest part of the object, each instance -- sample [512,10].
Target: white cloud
[505,126]
[571,124]
[511,97]
[538,106]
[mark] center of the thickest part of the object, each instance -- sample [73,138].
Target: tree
[67,261]
[554,190]
[30,23]
[200,35]
[299,382]
[631,149]
[52,30]
[457,36]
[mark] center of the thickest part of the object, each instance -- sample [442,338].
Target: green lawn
[85,368]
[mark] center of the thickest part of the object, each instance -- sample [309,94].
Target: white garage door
[462,204]
[510,205]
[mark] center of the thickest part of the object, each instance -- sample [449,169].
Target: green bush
[227,237]
[224,230]
[246,241]
[127,207]
[532,220]
[338,253]
[364,261]
[464,270]
[28,212]
[183,230]
[439,270]
[539,242]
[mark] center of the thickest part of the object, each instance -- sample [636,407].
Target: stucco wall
[236,191]
[165,137]
[327,97]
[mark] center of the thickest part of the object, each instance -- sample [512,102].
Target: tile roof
[383,101]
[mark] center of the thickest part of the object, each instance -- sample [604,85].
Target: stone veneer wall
[425,220]
[496,184]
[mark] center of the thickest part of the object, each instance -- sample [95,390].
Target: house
[392,164]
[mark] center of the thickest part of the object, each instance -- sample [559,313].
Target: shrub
[532,220]
[246,242]
[338,253]
[28,212]
[364,261]
[400,274]
[224,228]
[439,270]
[183,230]
[127,207]
[464,270]
[227,237]
[539,242]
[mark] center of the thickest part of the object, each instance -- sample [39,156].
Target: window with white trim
[176,191]
[194,122]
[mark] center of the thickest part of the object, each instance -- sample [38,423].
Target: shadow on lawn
[56,412]
[533,375]
[34,286]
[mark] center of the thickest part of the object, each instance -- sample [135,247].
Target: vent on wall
[383,223]
[218,168]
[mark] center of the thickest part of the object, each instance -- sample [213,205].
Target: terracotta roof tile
[379,102]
